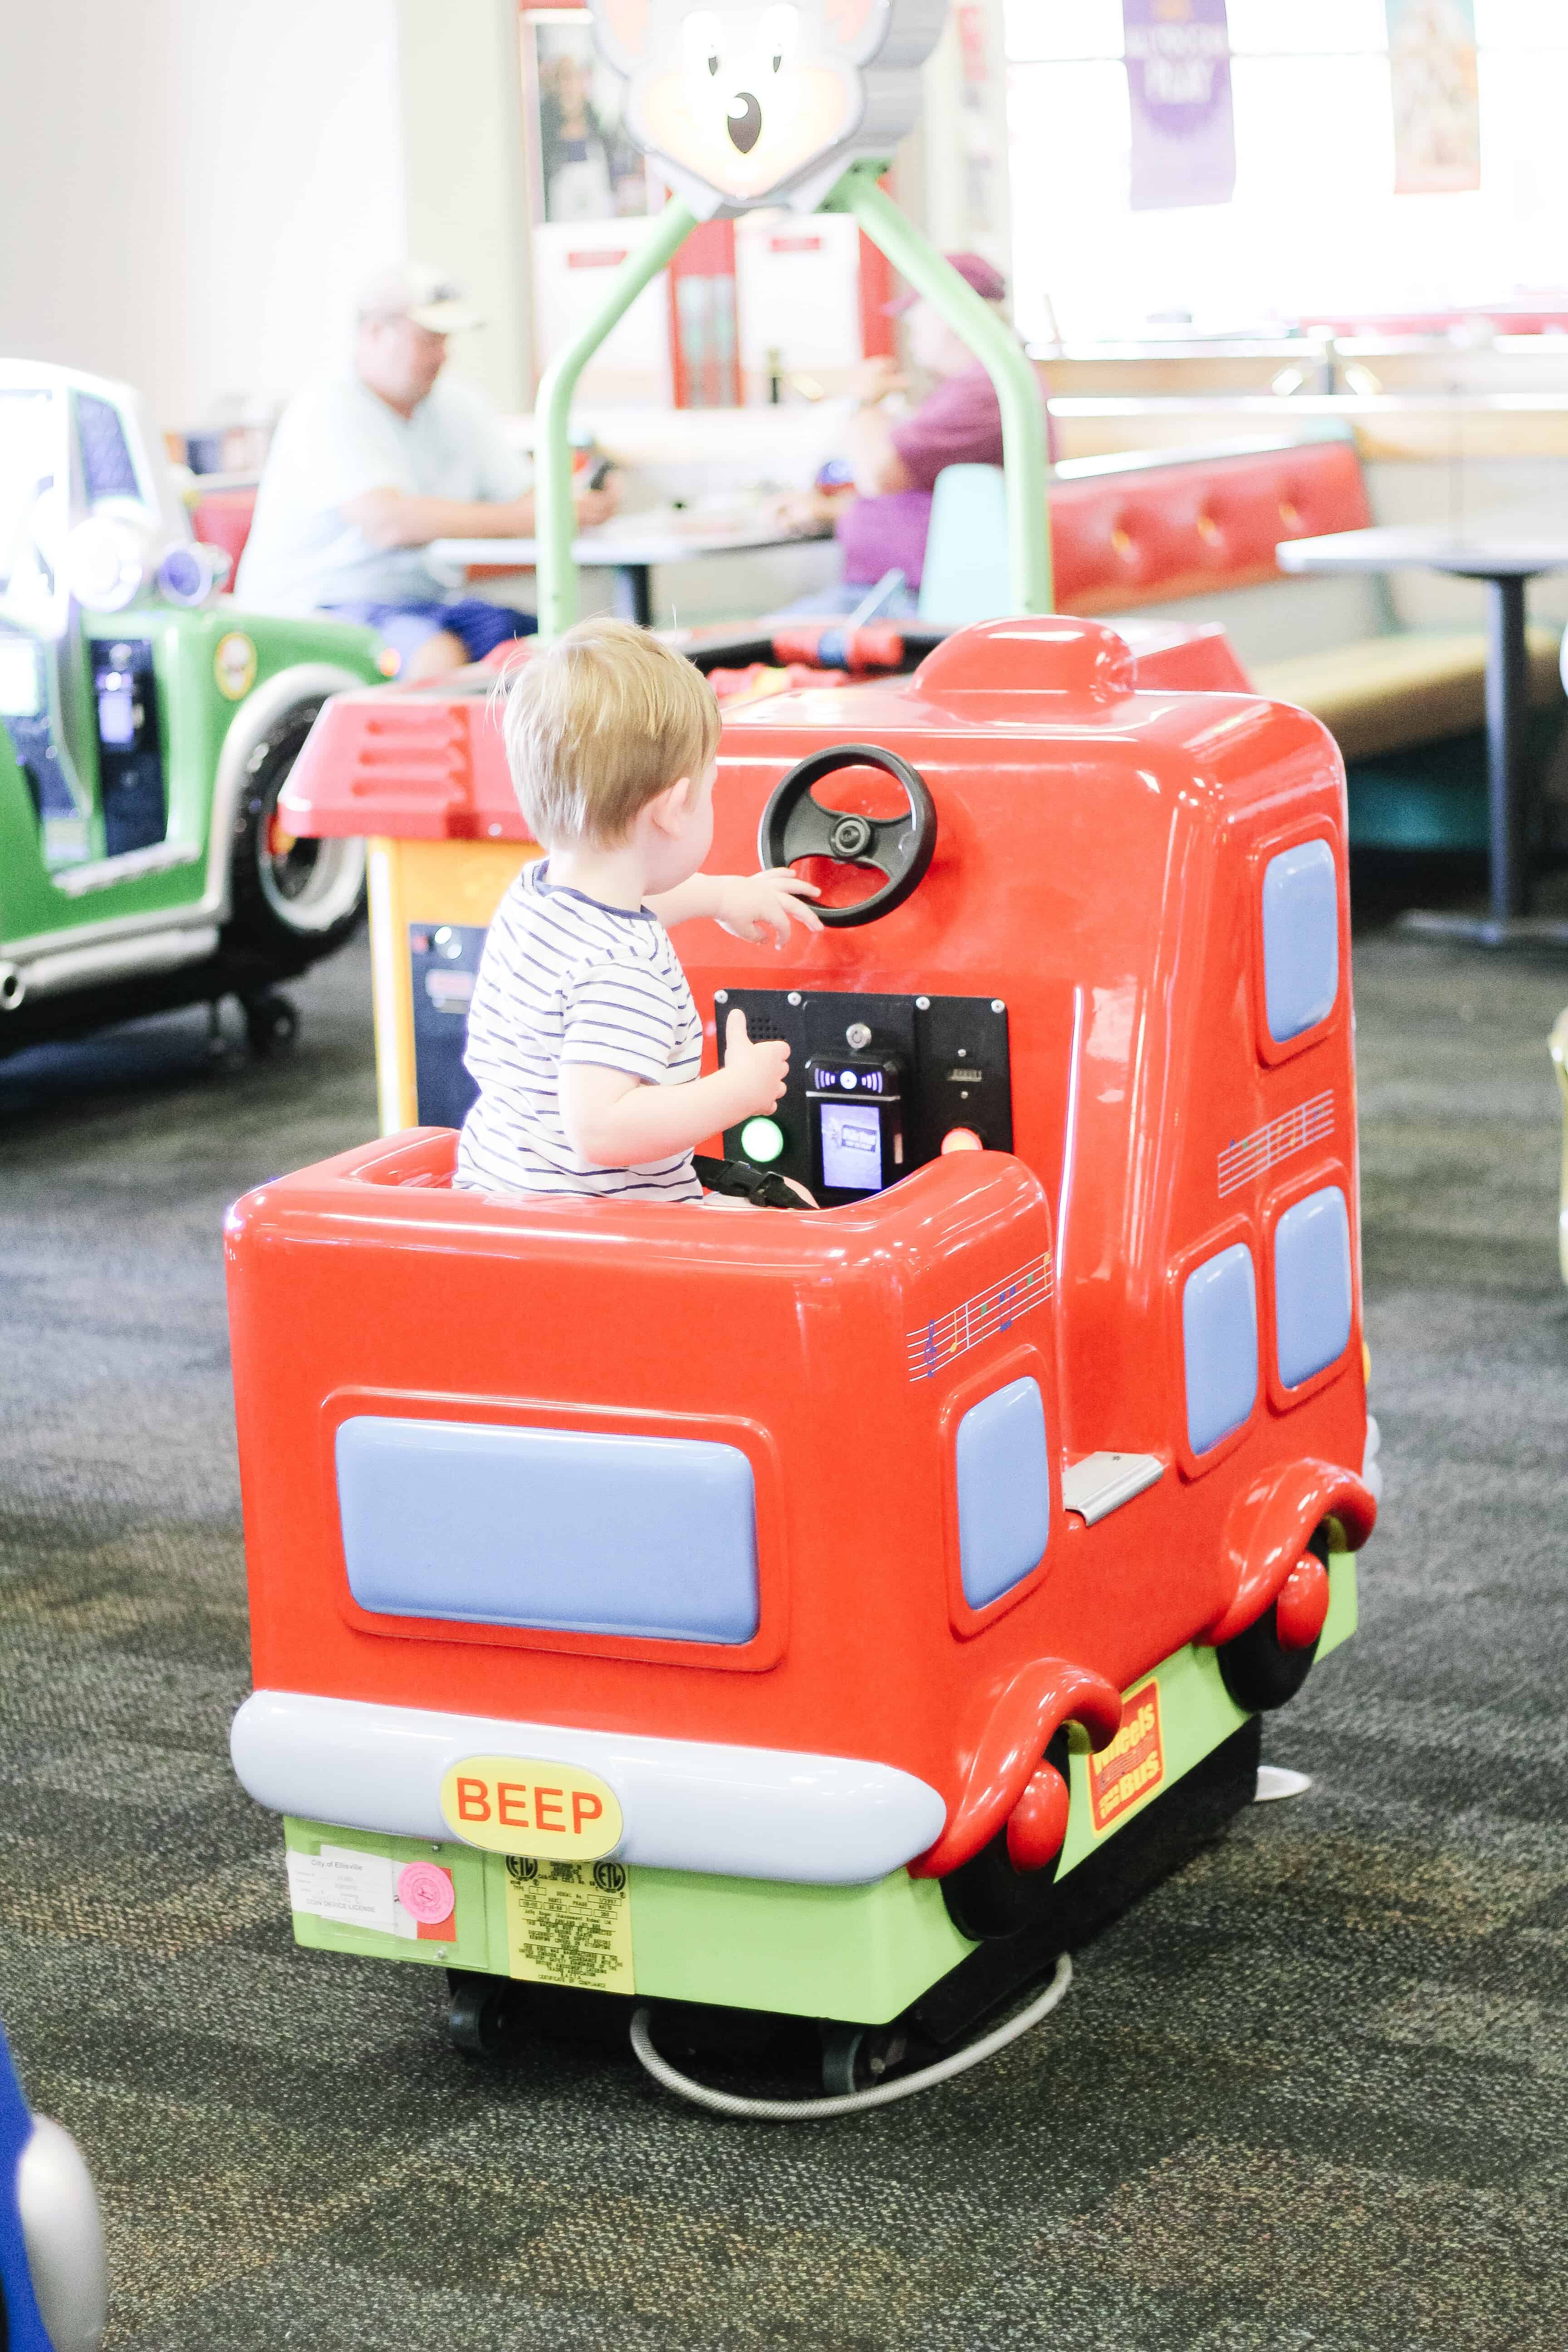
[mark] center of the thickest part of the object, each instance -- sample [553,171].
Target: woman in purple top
[882,512]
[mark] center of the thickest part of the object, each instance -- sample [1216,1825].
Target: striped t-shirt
[563,979]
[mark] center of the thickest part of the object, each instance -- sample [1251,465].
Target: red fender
[1040,1699]
[1267,1531]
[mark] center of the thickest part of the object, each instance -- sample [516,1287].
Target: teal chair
[965,575]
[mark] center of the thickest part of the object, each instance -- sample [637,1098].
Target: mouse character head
[766,101]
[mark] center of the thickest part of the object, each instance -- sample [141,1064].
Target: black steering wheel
[795,826]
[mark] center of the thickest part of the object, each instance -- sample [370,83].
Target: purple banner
[1178,80]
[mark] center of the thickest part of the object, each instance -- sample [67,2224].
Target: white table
[1506,565]
[630,550]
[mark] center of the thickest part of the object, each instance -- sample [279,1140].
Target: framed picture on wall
[585,167]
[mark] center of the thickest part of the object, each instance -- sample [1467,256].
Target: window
[1219,1342]
[1312,1285]
[1300,938]
[592,1532]
[106,469]
[1003,1482]
[1314,229]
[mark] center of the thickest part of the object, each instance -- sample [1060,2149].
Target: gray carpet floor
[1309,2097]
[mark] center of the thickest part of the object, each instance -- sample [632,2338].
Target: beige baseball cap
[412,289]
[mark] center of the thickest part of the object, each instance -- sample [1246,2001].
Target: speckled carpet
[1309,2098]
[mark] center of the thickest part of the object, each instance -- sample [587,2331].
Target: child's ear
[670,808]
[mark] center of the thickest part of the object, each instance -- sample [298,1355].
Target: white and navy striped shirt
[563,979]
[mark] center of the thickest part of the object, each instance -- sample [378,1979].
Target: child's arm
[748,905]
[619,1122]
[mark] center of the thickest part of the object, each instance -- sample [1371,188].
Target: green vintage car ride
[147,725]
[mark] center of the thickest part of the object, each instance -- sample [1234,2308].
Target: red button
[962,1139]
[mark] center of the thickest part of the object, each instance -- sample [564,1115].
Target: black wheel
[858,2057]
[1255,1668]
[795,826]
[287,893]
[486,2016]
[271,1024]
[988,1896]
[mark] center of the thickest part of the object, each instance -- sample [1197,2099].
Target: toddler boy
[582,1036]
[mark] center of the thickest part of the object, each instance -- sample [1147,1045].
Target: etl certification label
[569,1923]
[1133,1765]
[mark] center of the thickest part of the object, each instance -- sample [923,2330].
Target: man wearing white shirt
[367,466]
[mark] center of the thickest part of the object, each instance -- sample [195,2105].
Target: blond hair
[599,723]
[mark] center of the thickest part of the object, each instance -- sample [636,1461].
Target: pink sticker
[426,1892]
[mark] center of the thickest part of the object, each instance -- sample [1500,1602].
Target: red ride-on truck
[838,1615]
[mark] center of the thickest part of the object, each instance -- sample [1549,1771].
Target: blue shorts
[480,627]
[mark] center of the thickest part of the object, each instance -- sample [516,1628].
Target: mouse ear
[622,28]
[857,28]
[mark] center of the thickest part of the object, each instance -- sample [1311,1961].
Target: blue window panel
[1300,938]
[1004,1491]
[574,1530]
[1219,1339]
[106,469]
[1312,1285]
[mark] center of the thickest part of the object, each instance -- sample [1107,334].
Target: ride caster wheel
[271,1024]
[485,2015]
[858,2057]
[1258,1670]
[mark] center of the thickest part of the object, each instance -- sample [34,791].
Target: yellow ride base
[431,882]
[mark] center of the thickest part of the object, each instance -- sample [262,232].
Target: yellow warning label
[569,1923]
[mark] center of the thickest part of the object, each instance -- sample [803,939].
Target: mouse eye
[779,28]
[701,32]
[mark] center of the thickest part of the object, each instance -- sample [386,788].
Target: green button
[762,1140]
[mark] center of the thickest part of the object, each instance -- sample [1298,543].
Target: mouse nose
[745,124]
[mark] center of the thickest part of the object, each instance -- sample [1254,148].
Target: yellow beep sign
[516,1804]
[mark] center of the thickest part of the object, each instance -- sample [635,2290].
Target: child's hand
[756,1073]
[752,905]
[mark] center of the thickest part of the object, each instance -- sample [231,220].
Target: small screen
[18,678]
[851,1146]
[117,714]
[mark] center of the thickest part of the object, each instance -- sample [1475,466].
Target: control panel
[444,962]
[129,758]
[877,1084]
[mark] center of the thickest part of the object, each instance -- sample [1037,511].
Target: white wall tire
[289,893]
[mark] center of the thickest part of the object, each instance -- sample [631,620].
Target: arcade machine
[833,1617]
[147,726]
[53,2275]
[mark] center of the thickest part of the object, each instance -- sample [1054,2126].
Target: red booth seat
[1138,531]
[222,518]
[1145,530]
[1127,531]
